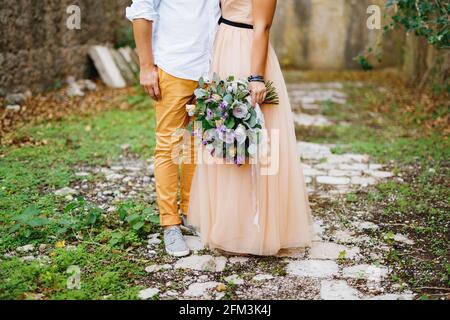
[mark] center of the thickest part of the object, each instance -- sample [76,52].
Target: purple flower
[223,105]
[209,114]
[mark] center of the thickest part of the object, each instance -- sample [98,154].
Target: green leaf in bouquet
[216,78]
[201,107]
[213,88]
[252,121]
[211,124]
[201,83]
[272,95]
[221,89]
[230,123]
[243,94]
[213,105]
[249,115]
[201,93]
[206,125]
[228,98]
[230,79]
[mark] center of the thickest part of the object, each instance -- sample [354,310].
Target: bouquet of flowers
[224,119]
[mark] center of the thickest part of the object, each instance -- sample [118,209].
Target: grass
[418,207]
[105,274]
[410,135]
[30,213]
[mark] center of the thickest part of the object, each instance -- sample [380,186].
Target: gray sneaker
[175,244]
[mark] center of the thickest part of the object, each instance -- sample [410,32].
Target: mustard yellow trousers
[174,163]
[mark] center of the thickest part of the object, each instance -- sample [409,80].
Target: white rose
[190,108]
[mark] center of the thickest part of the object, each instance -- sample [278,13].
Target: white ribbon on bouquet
[255,174]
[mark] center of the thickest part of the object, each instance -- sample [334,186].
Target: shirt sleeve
[143,9]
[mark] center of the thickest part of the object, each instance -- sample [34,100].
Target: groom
[174,41]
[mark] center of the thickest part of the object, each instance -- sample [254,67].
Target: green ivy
[426,18]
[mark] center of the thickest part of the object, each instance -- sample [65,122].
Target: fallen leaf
[221,287]
[60,244]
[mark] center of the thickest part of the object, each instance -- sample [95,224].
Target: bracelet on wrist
[256,78]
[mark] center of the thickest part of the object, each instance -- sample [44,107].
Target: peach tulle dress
[222,200]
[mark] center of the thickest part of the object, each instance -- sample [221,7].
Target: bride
[223,196]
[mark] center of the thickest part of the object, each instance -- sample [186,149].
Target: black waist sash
[235,24]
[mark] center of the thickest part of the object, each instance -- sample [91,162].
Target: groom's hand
[150,81]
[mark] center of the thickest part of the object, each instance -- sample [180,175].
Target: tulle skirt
[234,210]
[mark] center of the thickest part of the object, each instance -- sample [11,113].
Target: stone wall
[37,50]
[425,64]
[324,34]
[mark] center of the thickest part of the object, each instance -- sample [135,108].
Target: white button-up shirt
[183,33]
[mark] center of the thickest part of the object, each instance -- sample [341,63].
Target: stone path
[344,262]
[129,179]
[328,174]
[307,97]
